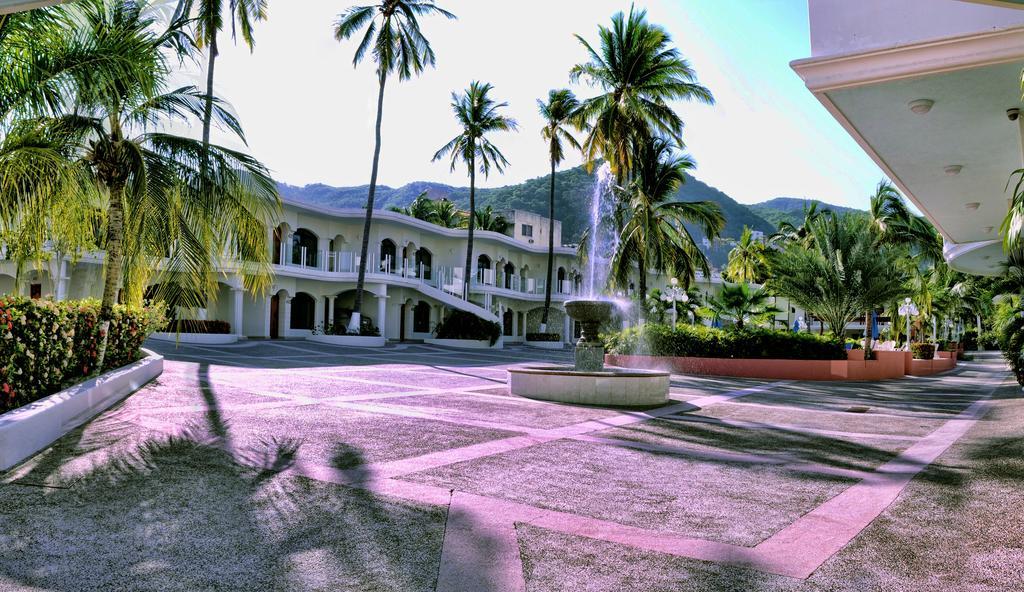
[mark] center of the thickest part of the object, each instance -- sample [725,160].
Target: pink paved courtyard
[296,466]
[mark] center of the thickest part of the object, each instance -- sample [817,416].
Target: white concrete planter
[546,344]
[27,430]
[197,338]
[463,343]
[350,340]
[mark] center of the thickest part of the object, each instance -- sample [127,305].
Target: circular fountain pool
[611,387]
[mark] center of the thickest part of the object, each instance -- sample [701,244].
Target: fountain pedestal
[589,382]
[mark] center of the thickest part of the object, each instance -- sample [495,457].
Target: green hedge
[543,336]
[1011,342]
[703,342]
[196,326]
[922,351]
[46,346]
[460,324]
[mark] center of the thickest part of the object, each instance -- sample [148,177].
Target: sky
[309,114]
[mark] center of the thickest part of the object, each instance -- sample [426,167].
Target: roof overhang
[9,6]
[972,80]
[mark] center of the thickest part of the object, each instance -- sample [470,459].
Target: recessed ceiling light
[972,205]
[953,169]
[921,106]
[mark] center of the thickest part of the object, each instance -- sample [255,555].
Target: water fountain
[588,381]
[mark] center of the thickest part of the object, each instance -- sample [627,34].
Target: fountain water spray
[603,238]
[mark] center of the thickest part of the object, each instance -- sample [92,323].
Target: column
[236,310]
[515,324]
[329,313]
[382,302]
[266,316]
[566,329]
[286,317]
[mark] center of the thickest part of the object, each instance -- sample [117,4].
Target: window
[303,311]
[304,243]
[527,230]
[35,291]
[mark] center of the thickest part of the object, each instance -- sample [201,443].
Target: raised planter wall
[27,430]
[464,343]
[930,367]
[197,338]
[350,340]
[888,365]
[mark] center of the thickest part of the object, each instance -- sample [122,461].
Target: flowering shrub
[466,325]
[703,342]
[46,345]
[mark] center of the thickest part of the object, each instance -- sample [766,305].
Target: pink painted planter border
[887,365]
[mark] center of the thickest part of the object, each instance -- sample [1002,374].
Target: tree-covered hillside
[791,209]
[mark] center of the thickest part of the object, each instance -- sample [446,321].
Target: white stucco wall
[851,26]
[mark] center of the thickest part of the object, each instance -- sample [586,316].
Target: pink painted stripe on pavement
[480,552]
[800,548]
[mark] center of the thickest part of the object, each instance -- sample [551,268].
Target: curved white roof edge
[9,6]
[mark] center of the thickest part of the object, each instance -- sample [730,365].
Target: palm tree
[209,20]
[842,273]
[477,115]
[747,263]
[447,214]
[655,235]
[421,208]
[639,72]
[45,198]
[740,303]
[487,219]
[893,223]
[788,233]
[557,112]
[168,198]
[399,46]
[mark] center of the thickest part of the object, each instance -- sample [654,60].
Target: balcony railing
[448,279]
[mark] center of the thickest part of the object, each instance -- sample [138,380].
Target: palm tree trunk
[357,307]
[471,225]
[112,272]
[868,335]
[642,285]
[208,110]
[551,250]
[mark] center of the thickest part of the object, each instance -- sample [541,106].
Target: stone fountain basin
[611,387]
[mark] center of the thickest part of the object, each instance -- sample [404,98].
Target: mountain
[572,204]
[791,209]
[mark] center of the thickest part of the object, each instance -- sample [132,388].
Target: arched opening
[7,285]
[303,311]
[277,246]
[424,259]
[304,244]
[421,318]
[507,321]
[509,271]
[343,306]
[388,254]
[559,287]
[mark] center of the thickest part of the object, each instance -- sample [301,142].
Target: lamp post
[908,310]
[674,294]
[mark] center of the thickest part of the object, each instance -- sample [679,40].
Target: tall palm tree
[557,112]
[209,21]
[393,31]
[447,214]
[747,263]
[789,233]
[638,72]
[477,115]
[421,208]
[169,198]
[741,304]
[655,235]
[893,223]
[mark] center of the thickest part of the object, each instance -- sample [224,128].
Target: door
[401,324]
[275,324]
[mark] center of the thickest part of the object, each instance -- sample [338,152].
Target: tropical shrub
[197,326]
[46,345]
[466,325]
[543,336]
[366,328]
[922,351]
[1011,342]
[970,339]
[989,340]
[854,344]
[704,342]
